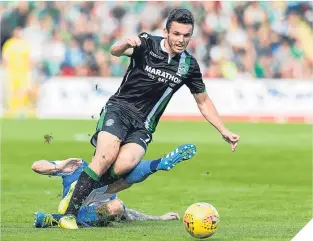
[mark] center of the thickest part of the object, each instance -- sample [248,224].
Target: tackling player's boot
[181,153]
[43,220]
[66,200]
[68,222]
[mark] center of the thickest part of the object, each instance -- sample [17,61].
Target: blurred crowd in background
[232,39]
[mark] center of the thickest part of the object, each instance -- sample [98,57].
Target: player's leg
[106,152]
[130,154]
[100,214]
[118,186]
[141,171]
[69,183]
[109,133]
[146,168]
[135,148]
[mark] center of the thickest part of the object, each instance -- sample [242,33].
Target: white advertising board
[79,98]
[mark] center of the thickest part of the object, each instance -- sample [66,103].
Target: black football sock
[85,183]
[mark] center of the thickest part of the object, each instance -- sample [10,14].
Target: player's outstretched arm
[210,113]
[133,215]
[125,47]
[45,167]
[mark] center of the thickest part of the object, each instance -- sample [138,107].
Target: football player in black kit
[159,66]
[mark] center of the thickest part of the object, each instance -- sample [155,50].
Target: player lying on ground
[102,205]
[159,66]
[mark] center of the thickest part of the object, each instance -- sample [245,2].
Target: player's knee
[128,157]
[115,208]
[101,162]
[104,159]
[107,148]
[125,164]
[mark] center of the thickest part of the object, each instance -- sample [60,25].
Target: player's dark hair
[179,15]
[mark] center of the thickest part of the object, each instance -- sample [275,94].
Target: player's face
[178,37]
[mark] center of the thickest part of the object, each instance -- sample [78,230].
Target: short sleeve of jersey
[139,50]
[195,82]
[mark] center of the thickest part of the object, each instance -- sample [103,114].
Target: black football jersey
[153,77]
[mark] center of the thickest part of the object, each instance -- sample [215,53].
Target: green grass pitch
[262,192]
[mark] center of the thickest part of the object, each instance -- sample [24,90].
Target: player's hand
[133,41]
[170,216]
[69,165]
[231,138]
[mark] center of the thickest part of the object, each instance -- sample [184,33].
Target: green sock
[113,175]
[92,174]
[109,177]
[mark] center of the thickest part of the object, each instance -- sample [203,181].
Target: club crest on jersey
[109,122]
[182,69]
[144,35]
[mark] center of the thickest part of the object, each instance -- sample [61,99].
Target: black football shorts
[129,130]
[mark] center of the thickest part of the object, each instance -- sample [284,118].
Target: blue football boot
[181,153]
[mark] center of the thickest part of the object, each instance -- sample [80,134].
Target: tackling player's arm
[45,167]
[133,215]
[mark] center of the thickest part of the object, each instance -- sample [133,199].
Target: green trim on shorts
[101,120]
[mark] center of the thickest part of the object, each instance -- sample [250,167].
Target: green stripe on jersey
[160,110]
[187,61]
[150,122]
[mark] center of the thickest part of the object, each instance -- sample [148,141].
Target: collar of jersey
[162,45]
